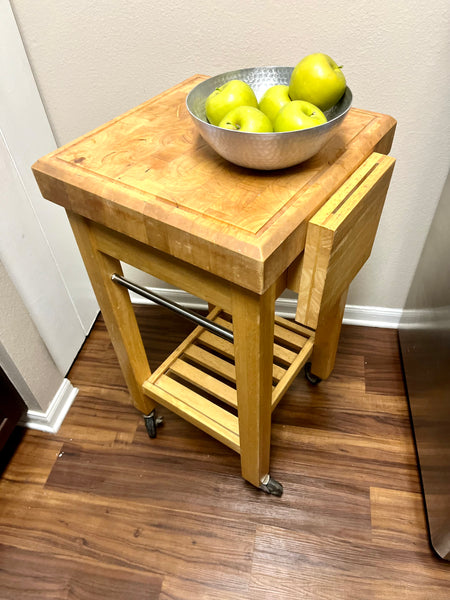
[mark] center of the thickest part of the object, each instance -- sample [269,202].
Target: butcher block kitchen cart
[146,190]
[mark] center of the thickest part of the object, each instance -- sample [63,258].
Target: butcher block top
[149,175]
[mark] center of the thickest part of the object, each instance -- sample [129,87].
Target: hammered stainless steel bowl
[264,151]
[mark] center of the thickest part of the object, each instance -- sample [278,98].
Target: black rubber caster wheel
[151,423]
[271,486]
[313,379]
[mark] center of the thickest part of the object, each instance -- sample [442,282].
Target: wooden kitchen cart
[144,189]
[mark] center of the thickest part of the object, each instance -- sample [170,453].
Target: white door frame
[36,244]
[37,247]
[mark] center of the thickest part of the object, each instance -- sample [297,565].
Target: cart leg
[117,311]
[327,338]
[253,326]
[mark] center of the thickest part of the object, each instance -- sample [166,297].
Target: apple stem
[340,66]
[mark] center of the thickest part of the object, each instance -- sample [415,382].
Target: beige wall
[94,60]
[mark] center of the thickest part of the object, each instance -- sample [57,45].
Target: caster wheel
[313,379]
[271,486]
[151,423]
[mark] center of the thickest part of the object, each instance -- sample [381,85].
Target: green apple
[247,118]
[319,80]
[273,99]
[230,95]
[298,114]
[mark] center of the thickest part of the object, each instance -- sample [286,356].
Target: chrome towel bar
[183,312]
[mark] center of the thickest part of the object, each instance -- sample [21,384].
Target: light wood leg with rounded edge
[117,312]
[327,338]
[253,326]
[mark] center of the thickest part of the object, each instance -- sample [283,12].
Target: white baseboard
[50,420]
[368,316]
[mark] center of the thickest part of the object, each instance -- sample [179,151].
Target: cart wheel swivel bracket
[271,486]
[313,379]
[151,423]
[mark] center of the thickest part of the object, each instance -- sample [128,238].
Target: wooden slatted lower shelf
[198,380]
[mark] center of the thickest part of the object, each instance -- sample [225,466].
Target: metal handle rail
[183,312]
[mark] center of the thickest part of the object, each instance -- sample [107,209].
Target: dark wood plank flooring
[101,511]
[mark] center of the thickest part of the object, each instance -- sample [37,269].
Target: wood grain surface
[149,175]
[340,237]
[99,510]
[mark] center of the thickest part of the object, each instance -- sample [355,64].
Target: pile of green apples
[316,84]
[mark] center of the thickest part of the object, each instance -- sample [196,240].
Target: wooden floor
[100,511]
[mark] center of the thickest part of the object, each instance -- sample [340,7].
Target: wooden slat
[293,326]
[292,372]
[222,367]
[284,355]
[196,409]
[181,348]
[211,361]
[289,337]
[205,382]
[218,344]
[281,333]
[221,321]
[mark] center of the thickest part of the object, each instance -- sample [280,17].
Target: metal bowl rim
[268,134]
